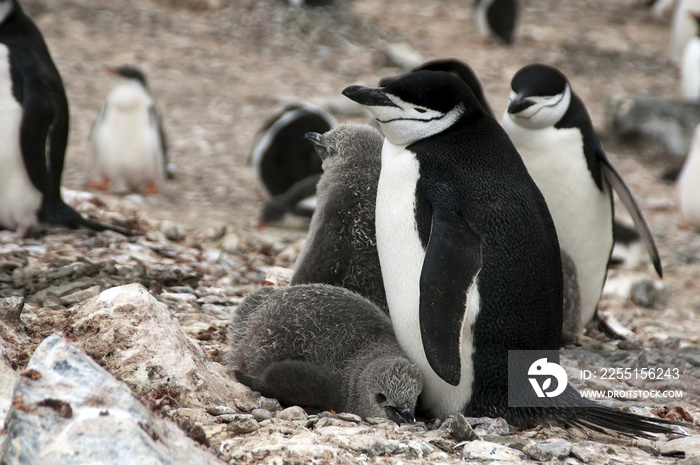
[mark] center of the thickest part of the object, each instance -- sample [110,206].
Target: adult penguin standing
[469,253]
[34,129]
[551,128]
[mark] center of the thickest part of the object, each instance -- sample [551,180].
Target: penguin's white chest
[401,256]
[126,145]
[689,182]
[690,70]
[19,199]
[581,212]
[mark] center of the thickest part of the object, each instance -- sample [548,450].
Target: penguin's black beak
[321,147]
[518,104]
[368,96]
[400,415]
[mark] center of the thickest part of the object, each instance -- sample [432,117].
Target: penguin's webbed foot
[102,185]
[151,188]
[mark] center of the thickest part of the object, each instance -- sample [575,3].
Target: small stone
[231,243]
[293,413]
[172,231]
[261,414]
[242,425]
[345,416]
[459,428]
[271,405]
[690,446]
[580,453]
[403,55]
[482,450]
[11,308]
[551,449]
[650,294]
[485,425]
[219,410]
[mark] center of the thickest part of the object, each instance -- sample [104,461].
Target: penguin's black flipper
[613,177]
[158,123]
[57,212]
[36,122]
[278,205]
[452,262]
[297,382]
[604,418]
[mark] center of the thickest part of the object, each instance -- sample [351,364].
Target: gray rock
[482,450]
[650,294]
[551,449]
[261,414]
[68,410]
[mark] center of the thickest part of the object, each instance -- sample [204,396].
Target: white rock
[136,338]
[482,450]
[68,410]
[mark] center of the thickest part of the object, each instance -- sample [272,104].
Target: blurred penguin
[690,63]
[689,184]
[127,149]
[498,19]
[286,164]
[682,28]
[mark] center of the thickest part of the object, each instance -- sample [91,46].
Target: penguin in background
[689,184]
[286,164]
[127,148]
[34,127]
[322,346]
[682,28]
[690,62]
[469,253]
[550,127]
[341,247]
[498,19]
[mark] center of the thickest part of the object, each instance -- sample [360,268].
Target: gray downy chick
[341,248]
[322,346]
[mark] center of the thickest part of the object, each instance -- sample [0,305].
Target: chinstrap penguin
[468,251]
[341,247]
[498,19]
[325,347]
[127,149]
[285,163]
[34,127]
[690,62]
[550,127]
[689,184]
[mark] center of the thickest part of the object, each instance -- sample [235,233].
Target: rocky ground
[217,69]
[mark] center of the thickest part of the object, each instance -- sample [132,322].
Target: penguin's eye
[380,398]
[421,110]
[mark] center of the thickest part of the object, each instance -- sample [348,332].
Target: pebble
[220,410]
[261,414]
[482,450]
[242,425]
[551,449]
[293,413]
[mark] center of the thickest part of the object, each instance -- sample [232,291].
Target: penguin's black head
[539,96]
[416,105]
[128,72]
